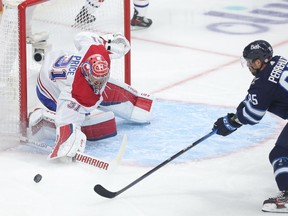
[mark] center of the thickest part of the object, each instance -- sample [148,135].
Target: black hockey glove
[226,125]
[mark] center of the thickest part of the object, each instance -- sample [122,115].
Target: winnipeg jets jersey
[61,87]
[268,92]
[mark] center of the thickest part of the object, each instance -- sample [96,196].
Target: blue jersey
[268,92]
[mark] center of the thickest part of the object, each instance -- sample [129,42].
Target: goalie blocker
[118,98]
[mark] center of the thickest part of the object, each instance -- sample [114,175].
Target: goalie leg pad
[99,126]
[126,102]
[69,140]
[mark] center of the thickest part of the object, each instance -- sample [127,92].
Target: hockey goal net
[18,69]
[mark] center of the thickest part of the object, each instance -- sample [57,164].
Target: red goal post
[57,18]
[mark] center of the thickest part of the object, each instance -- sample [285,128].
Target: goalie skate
[278,204]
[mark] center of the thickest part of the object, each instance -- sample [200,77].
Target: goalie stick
[88,159]
[99,189]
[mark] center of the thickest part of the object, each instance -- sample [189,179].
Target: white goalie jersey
[72,86]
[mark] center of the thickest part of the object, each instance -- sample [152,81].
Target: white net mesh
[9,80]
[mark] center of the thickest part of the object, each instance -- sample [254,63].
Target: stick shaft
[103,192]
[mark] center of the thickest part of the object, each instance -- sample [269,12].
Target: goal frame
[23,97]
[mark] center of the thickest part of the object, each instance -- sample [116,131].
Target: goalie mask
[96,71]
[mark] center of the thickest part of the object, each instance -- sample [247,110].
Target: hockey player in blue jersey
[268,92]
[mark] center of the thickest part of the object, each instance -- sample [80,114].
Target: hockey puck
[37,178]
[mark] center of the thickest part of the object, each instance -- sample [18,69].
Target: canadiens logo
[96,65]
[100,68]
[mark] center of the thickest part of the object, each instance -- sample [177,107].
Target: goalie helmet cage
[18,70]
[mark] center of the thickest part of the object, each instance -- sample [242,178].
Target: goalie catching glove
[116,44]
[226,125]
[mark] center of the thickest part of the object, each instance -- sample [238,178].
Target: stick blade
[99,189]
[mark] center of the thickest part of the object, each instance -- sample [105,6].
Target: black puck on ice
[37,178]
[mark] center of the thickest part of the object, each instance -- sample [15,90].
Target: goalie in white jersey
[71,86]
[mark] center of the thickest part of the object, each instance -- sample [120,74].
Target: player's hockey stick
[99,189]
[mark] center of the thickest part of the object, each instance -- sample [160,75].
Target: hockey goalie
[81,99]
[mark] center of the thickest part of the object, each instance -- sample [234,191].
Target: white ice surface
[176,59]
